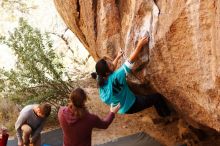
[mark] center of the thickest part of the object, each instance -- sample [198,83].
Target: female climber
[113,87]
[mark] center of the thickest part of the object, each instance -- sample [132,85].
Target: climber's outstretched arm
[138,48]
[119,55]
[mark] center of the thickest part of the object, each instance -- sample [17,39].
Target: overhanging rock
[183,60]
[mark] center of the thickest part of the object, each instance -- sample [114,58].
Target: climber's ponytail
[94,75]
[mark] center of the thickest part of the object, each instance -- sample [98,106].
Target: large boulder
[183,58]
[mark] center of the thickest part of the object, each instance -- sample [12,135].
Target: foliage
[39,75]
[7,119]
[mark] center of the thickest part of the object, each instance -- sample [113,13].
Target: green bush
[39,74]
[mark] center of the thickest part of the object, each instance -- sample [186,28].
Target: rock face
[183,59]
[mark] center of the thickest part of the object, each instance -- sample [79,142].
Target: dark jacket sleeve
[38,131]
[103,123]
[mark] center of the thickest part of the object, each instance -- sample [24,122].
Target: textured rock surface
[184,58]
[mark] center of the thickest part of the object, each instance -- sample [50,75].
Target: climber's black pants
[156,100]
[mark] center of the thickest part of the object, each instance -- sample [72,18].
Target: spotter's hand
[114,109]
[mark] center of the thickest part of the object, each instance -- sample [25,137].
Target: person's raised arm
[115,62]
[138,48]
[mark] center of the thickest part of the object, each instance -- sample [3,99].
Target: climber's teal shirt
[116,90]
